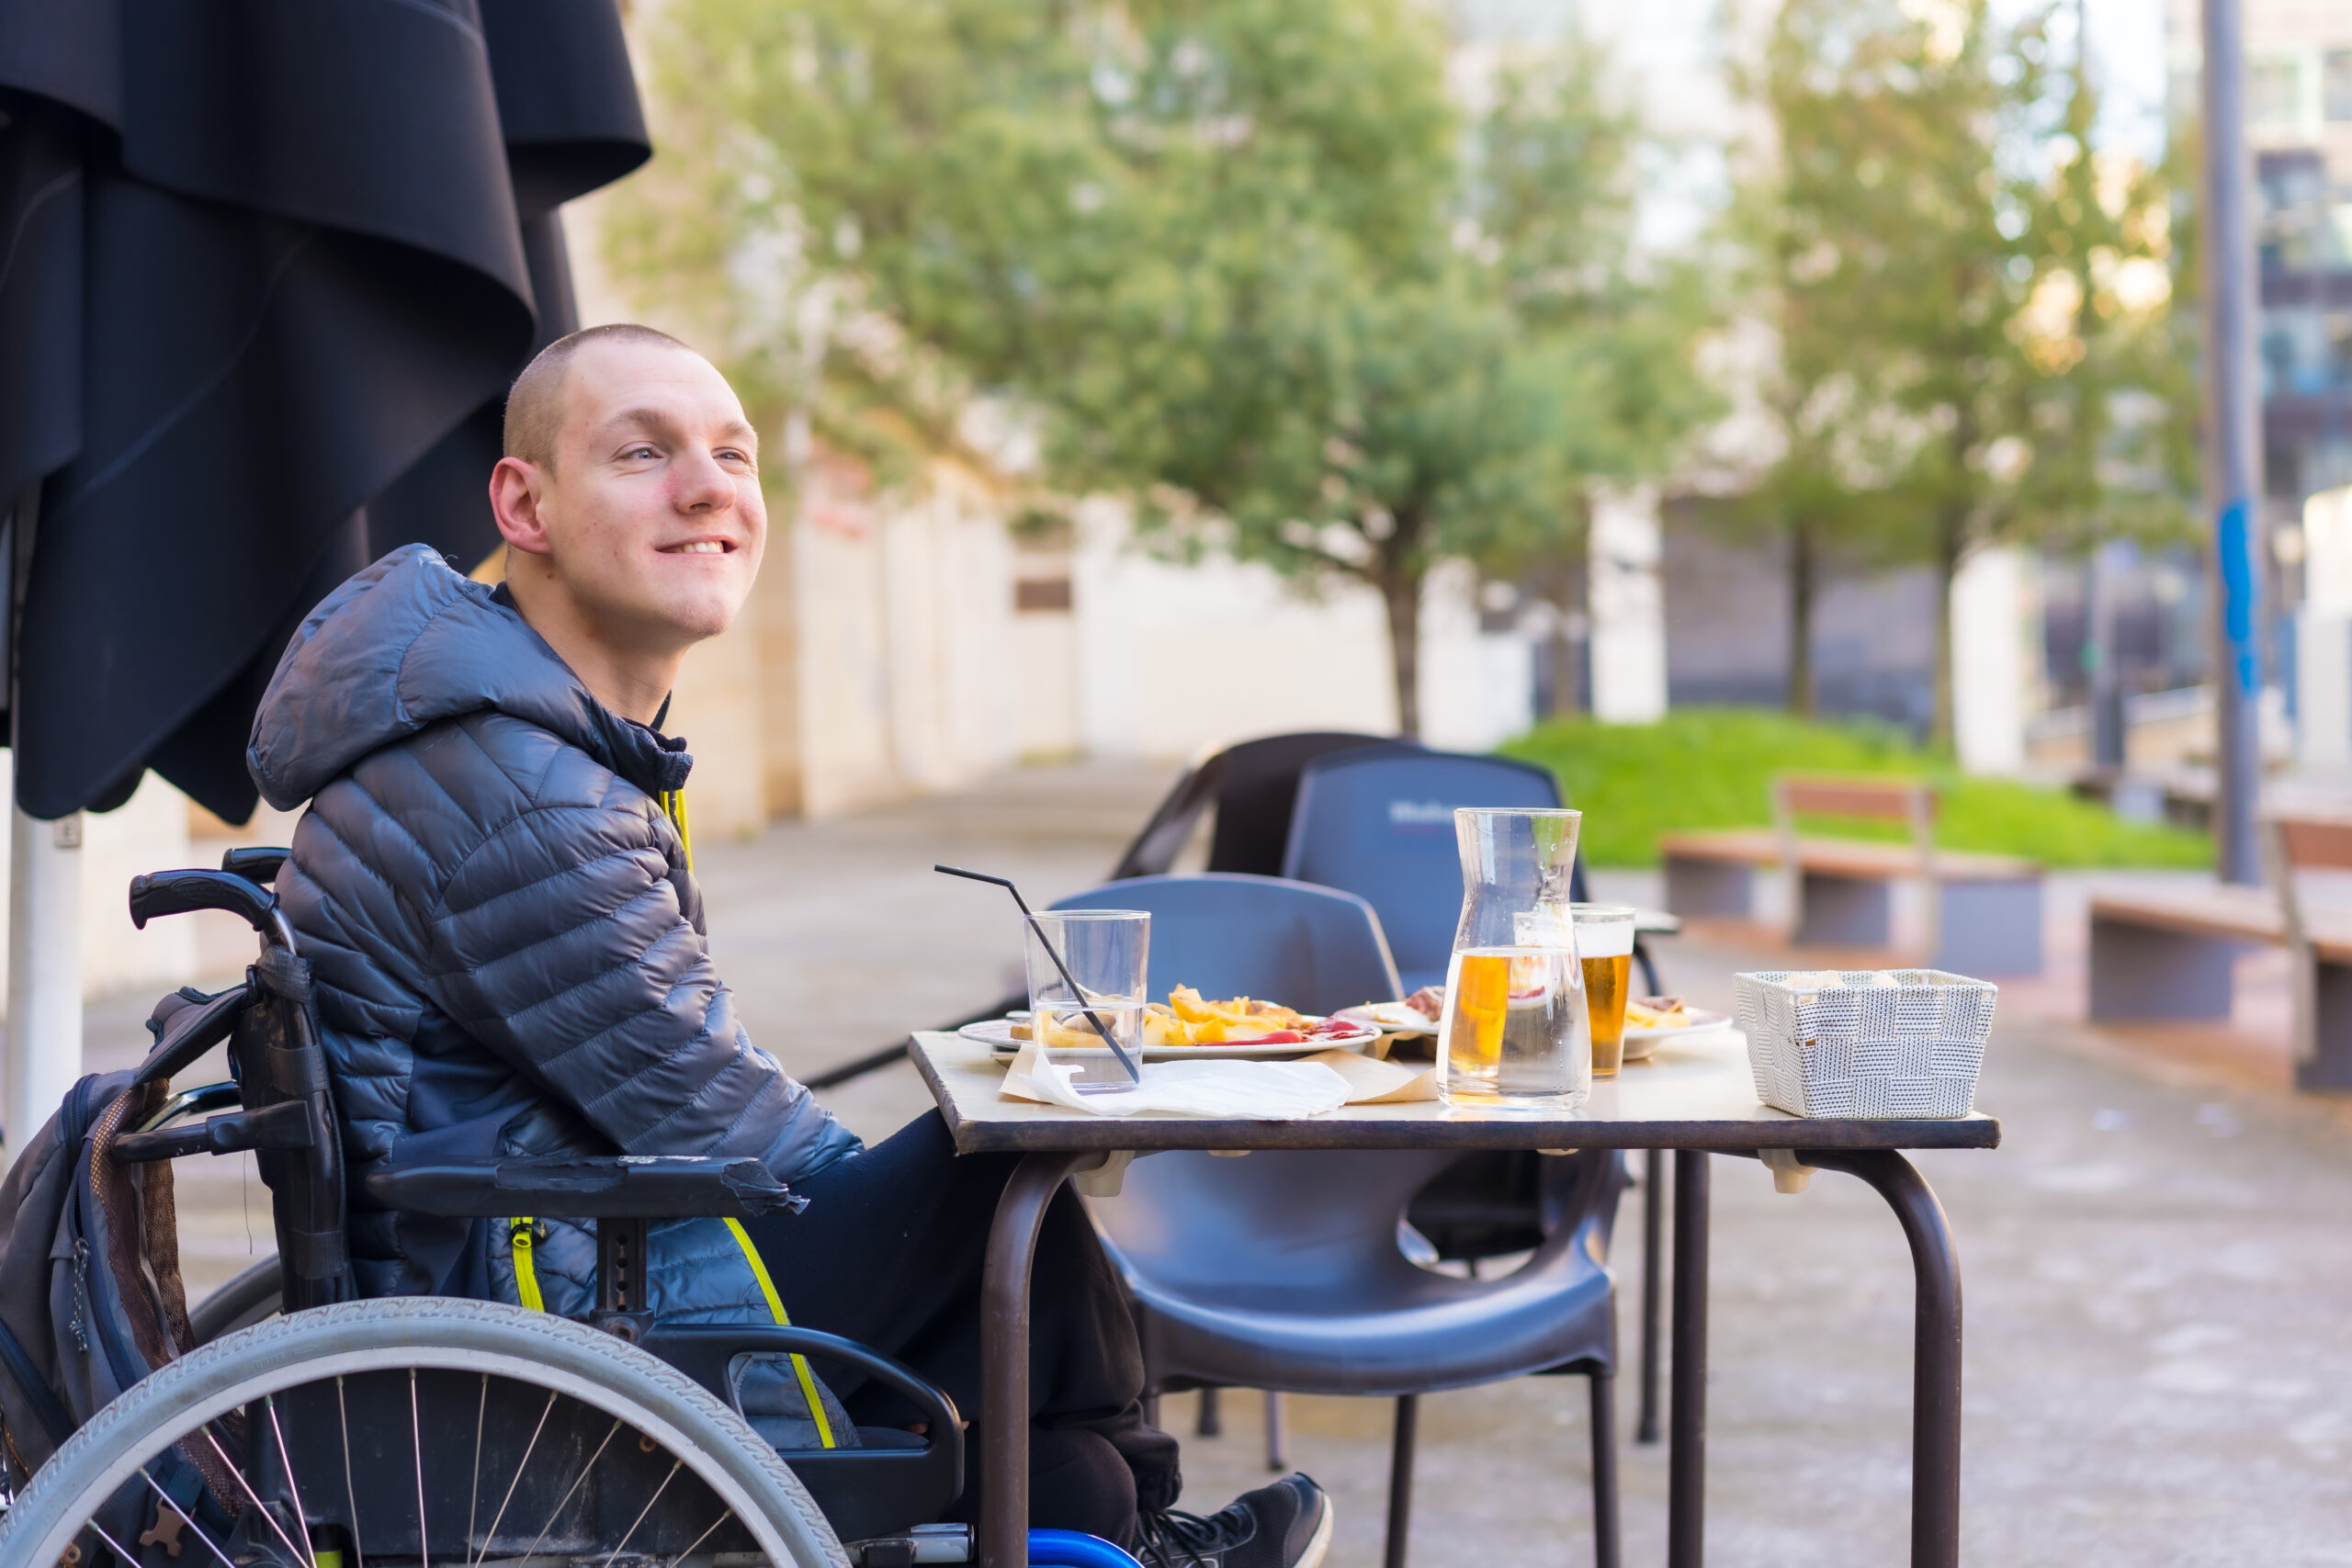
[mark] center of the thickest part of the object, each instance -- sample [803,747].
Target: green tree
[1246,263]
[1958,284]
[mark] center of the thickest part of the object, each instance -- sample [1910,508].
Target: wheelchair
[319,1430]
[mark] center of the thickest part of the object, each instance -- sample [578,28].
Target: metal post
[1605,1531]
[1653,1284]
[2232,444]
[1686,1457]
[43,1051]
[2110,741]
[1004,1357]
[1401,1479]
[1935,1351]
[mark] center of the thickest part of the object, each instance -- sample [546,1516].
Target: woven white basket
[1908,1044]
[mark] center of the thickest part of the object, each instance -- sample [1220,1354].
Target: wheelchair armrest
[863,1491]
[708,1352]
[648,1187]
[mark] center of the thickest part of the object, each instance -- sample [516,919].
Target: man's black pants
[889,1252]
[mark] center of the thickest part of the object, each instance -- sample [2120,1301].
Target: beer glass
[1605,943]
[1514,1035]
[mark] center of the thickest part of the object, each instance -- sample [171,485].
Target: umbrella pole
[44,1027]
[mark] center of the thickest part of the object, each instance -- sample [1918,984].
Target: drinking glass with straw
[1087,986]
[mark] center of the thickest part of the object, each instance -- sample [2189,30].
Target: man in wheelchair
[493,888]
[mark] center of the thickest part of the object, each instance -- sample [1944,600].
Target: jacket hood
[409,643]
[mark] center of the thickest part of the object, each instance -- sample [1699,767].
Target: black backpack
[90,1294]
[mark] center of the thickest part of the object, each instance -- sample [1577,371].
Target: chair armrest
[650,1186]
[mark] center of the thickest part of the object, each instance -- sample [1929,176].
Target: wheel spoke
[253,1498]
[293,1487]
[350,1486]
[520,1466]
[725,1515]
[675,1465]
[577,1482]
[473,1502]
[110,1540]
[416,1444]
[190,1522]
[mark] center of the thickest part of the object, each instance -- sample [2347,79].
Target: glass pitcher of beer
[1514,1035]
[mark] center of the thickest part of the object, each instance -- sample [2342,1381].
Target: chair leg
[1209,1425]
[1604,1470]
[1151,1405]
[1276,1461]
[1401,1479]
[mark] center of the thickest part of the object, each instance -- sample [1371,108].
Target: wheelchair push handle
[184,892]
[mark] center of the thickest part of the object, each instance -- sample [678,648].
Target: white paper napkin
[1254,1091]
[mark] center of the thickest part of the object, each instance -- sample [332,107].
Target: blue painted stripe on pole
[2237,596]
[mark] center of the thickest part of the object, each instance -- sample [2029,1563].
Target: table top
[1693,1094]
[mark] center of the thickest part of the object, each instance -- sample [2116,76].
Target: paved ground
[2156,1258]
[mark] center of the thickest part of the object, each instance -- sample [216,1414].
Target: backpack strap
[37,1393]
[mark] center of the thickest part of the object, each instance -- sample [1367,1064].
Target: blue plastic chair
[1283,1270]
[1378,822]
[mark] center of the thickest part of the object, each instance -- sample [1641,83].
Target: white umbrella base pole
[44,1039]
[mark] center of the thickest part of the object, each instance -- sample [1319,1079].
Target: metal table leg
[1004,1357]
[1686,1454]
[1935,1357]
[1652,1283]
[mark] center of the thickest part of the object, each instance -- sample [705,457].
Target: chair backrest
[1251,785]
[1225,935]
[1380,823]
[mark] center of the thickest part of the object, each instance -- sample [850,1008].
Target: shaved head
[534,403]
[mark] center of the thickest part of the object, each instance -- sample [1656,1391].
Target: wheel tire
[533,1348]
[252,1297]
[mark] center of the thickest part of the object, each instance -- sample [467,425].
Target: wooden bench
[1984,912]
[2168,954]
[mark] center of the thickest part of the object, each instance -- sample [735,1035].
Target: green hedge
[1710,767]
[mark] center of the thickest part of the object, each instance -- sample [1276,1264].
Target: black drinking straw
[1134,1073]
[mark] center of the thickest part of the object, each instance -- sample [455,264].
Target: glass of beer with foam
[1605,943]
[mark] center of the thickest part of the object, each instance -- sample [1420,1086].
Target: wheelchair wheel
[252,1297]
[411,1431]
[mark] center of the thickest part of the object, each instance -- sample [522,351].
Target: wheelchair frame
[280,1108]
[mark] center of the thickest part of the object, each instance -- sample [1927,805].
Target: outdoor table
[1695,1097]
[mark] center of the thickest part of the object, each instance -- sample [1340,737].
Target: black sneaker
[1287,1525]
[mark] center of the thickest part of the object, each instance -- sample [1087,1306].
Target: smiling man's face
[644,533]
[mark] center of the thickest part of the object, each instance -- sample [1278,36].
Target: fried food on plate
[1657,1012]
[1187,1018]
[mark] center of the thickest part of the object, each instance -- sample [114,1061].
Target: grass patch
[1710,767]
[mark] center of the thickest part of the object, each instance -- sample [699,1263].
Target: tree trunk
[1803,569]
[1951,540]
[1568,666]
[1401,570]
[1401,588]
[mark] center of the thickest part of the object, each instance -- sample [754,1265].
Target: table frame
[1055,1147]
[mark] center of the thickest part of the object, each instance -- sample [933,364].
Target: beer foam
[1604,939]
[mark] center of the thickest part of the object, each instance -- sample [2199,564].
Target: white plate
[996,1033]
[1393,1019]
[1640,1042]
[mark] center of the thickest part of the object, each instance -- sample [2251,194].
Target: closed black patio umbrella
[269,268]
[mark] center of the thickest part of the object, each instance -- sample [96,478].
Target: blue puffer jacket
[507,946]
